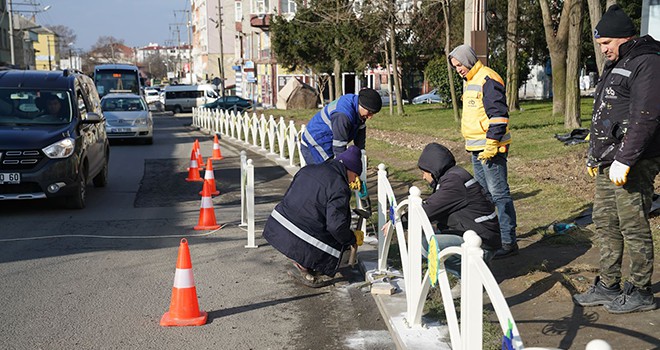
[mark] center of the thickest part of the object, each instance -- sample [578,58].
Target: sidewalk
[431,335]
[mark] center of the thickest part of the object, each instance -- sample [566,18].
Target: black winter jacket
[458,202]
[624,125]
[311,225]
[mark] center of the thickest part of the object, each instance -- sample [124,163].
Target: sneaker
[306,277]
[506,250]
[598,294]
[631,300]
[456,291]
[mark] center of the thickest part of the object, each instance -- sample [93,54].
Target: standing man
[485,127]
[311,225]
[331,129]
[624,156]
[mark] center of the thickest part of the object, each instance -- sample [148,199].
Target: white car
[151,95]
[127,117]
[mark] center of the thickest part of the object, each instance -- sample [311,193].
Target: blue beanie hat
[352,159]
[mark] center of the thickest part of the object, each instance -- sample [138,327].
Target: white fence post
[249,193]
[243,184]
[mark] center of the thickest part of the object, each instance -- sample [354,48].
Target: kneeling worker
[312,223]
[458,203]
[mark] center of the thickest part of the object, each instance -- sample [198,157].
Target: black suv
[52,136]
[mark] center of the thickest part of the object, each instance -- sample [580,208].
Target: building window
[287,6]
[259,6]
[238,15]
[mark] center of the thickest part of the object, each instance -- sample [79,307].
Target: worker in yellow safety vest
[485,127]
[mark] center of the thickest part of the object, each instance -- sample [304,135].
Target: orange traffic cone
[217,154]
[206,213]
[193,170]
[184,309]
[198,153]
[210,178]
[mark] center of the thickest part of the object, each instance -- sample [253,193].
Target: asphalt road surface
[101,277]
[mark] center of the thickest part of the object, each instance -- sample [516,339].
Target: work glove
[619,173]
[490,151]
[592,171]
[359,237]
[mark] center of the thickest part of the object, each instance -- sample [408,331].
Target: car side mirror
[93,118]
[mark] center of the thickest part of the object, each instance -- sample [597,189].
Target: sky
[137,22]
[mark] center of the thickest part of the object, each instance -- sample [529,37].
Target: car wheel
[77,200]
[101,179]
[177,109]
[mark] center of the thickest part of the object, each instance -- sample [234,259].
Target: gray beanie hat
[464,54]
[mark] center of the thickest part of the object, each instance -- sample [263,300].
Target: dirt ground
[539,282]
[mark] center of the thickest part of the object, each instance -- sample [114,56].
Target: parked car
[385,97]
[230,103]
[182,98]
[432,96]
[151,95]
[46,153]
[127,117]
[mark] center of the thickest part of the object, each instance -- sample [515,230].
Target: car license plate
[10,178]
[113,130]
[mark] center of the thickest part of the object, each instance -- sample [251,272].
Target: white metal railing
[475,274]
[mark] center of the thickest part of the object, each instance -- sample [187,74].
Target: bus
[118,78]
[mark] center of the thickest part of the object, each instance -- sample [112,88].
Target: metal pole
[189,47]
[11,33]
[221,68]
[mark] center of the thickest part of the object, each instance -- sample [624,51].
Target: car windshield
[118,104]
[34,107]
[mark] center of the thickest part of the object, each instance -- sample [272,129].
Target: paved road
[110,290]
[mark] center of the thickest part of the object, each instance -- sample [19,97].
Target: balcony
[260,21]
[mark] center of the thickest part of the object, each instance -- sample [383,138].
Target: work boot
[508,249]
[632,299]
[598,294]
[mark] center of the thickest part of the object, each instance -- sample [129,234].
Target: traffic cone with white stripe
[217,154]
[206,212]
[198,153]
[210,178]
[184,309]
[193,169]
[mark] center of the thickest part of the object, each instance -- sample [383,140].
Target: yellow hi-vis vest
[475,122]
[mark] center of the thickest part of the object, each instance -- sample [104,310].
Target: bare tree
[66,36]
[556,35]
[572,114]
[450,71]
[595,14]
[512,56]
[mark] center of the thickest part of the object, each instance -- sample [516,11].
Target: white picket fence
[280,138]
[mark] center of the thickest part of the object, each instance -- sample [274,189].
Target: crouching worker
[312,223]
[458,203]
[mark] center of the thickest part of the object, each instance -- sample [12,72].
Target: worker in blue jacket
[332,128]
[311,225]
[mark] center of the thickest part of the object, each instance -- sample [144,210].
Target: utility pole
[11,33]
[221,63]
[178,35]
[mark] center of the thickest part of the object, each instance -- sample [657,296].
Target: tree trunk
[450,69]
[609,3]
[595,14]
[512,56]
[572,117]
[338,80]
[331,89]
[389,78]
[395,68]
[557,44]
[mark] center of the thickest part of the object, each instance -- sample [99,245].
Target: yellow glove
[490,151]
[592,171]
[359,237]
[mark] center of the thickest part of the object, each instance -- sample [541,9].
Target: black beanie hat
[615,24]
[370,99]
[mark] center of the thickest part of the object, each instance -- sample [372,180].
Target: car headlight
[60,149]
[141,121]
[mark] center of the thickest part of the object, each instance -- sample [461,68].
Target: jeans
[492,176]
[307,155]
[453,262]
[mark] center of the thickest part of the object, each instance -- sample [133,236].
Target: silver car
[127,117]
